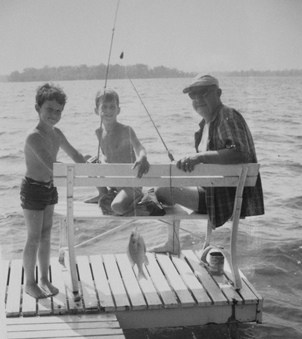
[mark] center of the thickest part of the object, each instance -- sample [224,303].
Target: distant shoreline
[139,71]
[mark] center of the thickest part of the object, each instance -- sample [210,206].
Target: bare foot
[93,200]
[48,287]
[35,291]
[166,247]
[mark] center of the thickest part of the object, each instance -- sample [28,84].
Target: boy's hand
[143,166]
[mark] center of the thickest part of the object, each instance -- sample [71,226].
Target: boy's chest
[116,148]
[52,144]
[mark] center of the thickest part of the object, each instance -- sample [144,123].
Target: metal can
[216,263]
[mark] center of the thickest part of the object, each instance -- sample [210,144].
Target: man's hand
[189,163]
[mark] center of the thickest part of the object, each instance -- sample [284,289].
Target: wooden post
[3,333]
[70,232]
[234,233]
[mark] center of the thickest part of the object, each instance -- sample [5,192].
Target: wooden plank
[159,281]
[68,333]
[149,290]
[175,280]
[156,170]
[74,304]
[158,175]
[223,282]
[228,290]
[192,282]
[65,318]
[83,211]
[159,181]
[61,326]
[205,278]
[132,287]
[101,283]
[247,295]
[44,306]
[116,283]
[87,284]
[59,301]
[14,289]
[29,304]
[4,269]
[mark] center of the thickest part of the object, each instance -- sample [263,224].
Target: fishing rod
[141,100]
[107,72]
[111,43]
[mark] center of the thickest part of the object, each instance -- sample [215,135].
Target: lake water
[270,246]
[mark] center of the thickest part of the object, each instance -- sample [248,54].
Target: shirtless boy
[38,195]
[119,144]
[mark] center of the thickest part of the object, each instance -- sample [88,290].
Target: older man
[223,138]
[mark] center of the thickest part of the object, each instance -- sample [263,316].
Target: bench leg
[173,235]
[67,256]
[208,237]
[234,266]
[72,262]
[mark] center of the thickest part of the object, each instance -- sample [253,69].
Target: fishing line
[175,235]
[107,73]
[141,100]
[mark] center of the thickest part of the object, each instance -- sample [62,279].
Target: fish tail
[141,274]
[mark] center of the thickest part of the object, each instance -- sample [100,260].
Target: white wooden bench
[159,175]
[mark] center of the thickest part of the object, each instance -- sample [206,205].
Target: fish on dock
[137,252]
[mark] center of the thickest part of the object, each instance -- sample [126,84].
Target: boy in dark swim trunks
[38,195]
[118,144]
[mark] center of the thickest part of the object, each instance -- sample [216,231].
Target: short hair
[49,92]
[107,95]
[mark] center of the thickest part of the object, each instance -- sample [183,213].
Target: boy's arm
[141,155]
[75,155]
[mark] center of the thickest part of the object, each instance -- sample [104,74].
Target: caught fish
[137,253]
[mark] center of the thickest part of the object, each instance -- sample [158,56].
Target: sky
[190,35]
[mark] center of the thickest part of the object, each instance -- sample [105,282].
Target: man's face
[204,100]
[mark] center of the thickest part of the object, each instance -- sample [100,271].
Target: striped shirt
[229,130]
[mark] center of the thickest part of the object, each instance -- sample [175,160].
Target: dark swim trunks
[37,195]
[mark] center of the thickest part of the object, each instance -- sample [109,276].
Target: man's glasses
[199,93]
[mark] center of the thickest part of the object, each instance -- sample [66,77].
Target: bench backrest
[163,175]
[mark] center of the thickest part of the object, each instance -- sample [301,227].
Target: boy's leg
[44,251]
[34,222]
[126,200]
[95,200]
[187,197]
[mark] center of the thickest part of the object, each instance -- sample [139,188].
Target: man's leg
[187,197]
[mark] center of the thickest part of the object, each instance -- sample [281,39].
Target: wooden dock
[94,326]
[178,292]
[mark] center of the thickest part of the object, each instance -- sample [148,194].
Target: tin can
[216,263]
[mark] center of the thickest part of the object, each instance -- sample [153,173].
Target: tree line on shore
[84,72]
[138,71]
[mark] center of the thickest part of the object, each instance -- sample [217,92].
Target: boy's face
[109,110]
[50,112]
